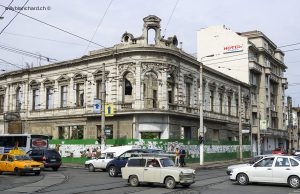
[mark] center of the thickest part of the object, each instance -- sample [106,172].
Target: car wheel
[37,173]
[55,168]
[1,172]
[18,172]
[133,180]
[242,179]
[170,183]
[91,168]
[294,182]
[112,171]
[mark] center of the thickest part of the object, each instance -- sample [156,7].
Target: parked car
[18,162]
[296,152]
[49,157]
[280,169]
[156,169]
[279,151]
[106,156]
[252,161]
[114,166]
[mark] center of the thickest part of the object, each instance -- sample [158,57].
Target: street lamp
[201,129]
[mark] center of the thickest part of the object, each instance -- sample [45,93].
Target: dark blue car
[114,166]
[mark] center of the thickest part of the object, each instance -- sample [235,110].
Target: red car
[279,151]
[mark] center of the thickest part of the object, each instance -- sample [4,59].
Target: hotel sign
[233,48]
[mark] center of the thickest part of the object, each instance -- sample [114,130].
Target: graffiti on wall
[193,151]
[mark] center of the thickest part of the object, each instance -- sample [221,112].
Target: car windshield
[297,158]
[22,157]
[165,162]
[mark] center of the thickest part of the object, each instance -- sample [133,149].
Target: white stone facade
[154,89]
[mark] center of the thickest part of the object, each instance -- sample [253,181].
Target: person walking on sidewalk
[182,157]
[177,156]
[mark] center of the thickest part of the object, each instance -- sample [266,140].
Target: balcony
[126,106]
[173,107]
[255,66]
[267,70]
[220,117]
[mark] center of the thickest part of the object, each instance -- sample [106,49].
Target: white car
[252,161]
[106,156]
[280,169]
[156,169]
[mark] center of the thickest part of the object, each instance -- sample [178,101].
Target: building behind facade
[151,86]
[252,58]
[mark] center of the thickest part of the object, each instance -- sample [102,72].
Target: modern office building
[252,58]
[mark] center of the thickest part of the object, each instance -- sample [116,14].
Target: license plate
[36,169]
[53,160]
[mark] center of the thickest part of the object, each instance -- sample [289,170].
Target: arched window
[171,88]
[19,96]
[151,36]
[128,90]
[150,90]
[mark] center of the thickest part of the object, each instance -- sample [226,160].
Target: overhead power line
[170,17]
[13,17]
[99,24]
[41,38]
[26,53]
[6,9]
[60,29]
[11,63]
[289,45]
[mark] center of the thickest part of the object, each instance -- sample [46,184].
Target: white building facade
[152,89]
[252,58]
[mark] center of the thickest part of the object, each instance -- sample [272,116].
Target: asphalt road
[79,180]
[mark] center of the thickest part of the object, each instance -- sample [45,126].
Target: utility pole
[201,130]
[240,126]
[201,126]
[290,122]
[258,135]
[103,96]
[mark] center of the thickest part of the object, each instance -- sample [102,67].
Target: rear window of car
[52,152]
[137,162]
[36,152]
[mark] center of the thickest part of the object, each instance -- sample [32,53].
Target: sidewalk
[215,164]
[196,166]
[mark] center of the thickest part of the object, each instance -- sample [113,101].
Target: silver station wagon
[157,169]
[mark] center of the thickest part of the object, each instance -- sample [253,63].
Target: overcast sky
[104,22]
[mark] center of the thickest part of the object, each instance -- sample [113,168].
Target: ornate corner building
[151,86]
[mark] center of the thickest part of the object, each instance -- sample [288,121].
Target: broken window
[171,88]
[150,90]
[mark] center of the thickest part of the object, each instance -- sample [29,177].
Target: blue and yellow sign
[109,110]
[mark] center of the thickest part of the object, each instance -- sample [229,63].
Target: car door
[122,160]
[282,170]
[262,171]
[10,163]
[152,172]
[105,159]
[3,162]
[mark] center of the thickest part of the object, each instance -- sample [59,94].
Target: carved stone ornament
[127,67]
[151,66]
[34,84]
[212,86]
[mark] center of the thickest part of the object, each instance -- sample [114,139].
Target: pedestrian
[94,153]
[88,154]
[177,155]
[182,157]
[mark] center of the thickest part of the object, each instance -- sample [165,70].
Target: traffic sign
[109,110]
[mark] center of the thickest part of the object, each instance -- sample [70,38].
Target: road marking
[48,180]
